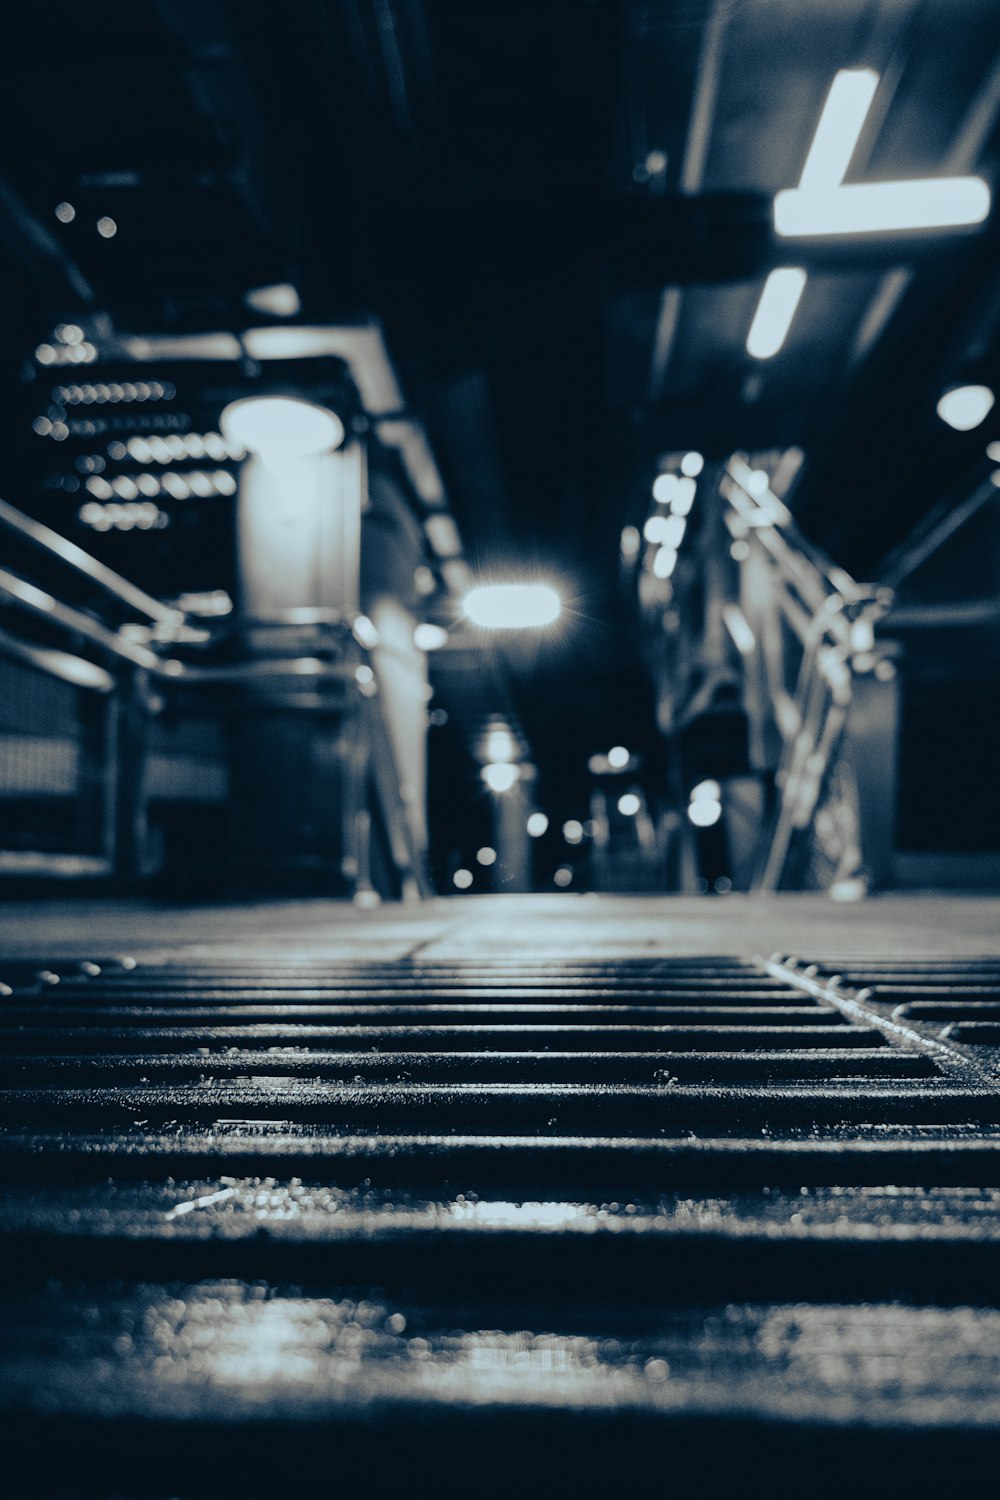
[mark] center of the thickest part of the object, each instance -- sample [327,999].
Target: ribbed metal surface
[578,1212]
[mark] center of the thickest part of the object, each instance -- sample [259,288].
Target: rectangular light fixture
[840,124]
[775,311]
[880,207]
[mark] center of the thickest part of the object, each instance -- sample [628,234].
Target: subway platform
[555,1192]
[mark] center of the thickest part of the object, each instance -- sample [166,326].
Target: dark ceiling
[560,210]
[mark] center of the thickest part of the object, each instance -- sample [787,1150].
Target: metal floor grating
[718,1208]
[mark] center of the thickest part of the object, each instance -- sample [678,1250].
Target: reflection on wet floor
[227,1345]
[233,1207]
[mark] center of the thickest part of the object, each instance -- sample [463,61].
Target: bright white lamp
[512,606]
[281,426]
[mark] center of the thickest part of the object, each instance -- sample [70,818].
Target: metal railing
[134,665]
[820,691]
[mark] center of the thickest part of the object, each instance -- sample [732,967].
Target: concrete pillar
[298,541]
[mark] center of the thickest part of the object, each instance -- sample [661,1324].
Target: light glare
[881,207]
[664,488]
[486,855]
[775,311]
[628,804]
[512,606]
[618,757]
[537,824]
[463,879]
[965,406]
[692,465]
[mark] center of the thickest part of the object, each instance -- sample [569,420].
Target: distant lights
[486,855]
[65,213]
[757,482]
[683,496]
[963,407]
[628,804]
[462,879]
[81,353]
[706,804]
[572,831]
[673,531]
[106,227]
[512,606]
[618,757]
[676,490]
[115,517]
[631,541]
[664,562]
[655,529]
[500,746]
[100,394]
[429,637]
[664,488]
[993,452]
[692,465]
[563,877]
[203,483]
[537,825]
[500,777]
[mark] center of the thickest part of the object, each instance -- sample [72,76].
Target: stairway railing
[820,691]
[132,667]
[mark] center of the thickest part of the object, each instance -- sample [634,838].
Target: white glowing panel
[512,606]
[965,406]
[880,207]
[840,124]
[775,311]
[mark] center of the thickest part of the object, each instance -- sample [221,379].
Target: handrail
[40,603]
[835,579]
[833,619]
[76,670]
[89,567]
[134,645]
